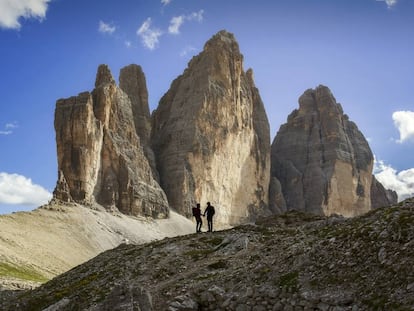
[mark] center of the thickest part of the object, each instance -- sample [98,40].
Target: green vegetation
[215,241]
[21,272]
[197,254]
[221,264]
[289,280]
[378,303]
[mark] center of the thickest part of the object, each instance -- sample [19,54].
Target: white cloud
[19,190]
[197,16]
[404,122]
[149,36]
[402,182]
[12,125]
[177,21]
[106,28]
[9,127]
[390,3]
[165,2]
[175,24]
[12,10]
[128,44]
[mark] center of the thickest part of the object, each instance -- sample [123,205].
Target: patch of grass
[197,254]
[221,264]
[215,241]
[263,272]
[376,302]
[289,280]
[21,272]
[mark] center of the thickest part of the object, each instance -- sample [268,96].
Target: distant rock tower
[322,161]
[211,136]
[100,147]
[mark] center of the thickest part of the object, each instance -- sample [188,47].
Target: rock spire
[209,140]
[100,153]
[323,162]
[211,136]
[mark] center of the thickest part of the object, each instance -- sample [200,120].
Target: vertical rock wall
[380,196]
[322,160]
[100,155]
[211,136]
[208,140]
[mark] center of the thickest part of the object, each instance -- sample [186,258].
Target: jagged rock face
[322,160]
[132,82]
[210,134]
[380,196]
[100,156]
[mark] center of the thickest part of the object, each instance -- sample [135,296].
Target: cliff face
[322,160]
[100,155]
[380,196]
[210,134]
[208,140]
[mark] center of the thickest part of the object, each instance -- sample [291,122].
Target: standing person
[210,213]
[197,215]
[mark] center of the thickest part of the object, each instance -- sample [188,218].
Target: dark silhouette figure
[210,213]
[197,215]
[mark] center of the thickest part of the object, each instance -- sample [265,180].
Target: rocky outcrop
[290,262]
[100,154]
[210,134]
[322,160]
[380,196]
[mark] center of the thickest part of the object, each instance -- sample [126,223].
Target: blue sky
[50,49]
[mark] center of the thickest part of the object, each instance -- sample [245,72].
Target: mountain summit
[209,141]
[100,148]
[323,162]
[211,136]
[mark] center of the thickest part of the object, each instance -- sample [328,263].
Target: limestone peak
[223,40]
[322,160]
[319,98]
[211,136]
[103,76]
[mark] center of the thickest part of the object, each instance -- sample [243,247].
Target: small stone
[323,306]
[278,306]
[249,292]
[382,254]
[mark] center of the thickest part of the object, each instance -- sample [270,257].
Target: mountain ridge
[209,140]
[293,261]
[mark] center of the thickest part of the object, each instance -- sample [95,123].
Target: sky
[49,49]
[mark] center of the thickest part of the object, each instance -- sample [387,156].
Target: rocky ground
[290,262]
[39,245]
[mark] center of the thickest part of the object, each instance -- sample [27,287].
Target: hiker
[210,213]
[197,215]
